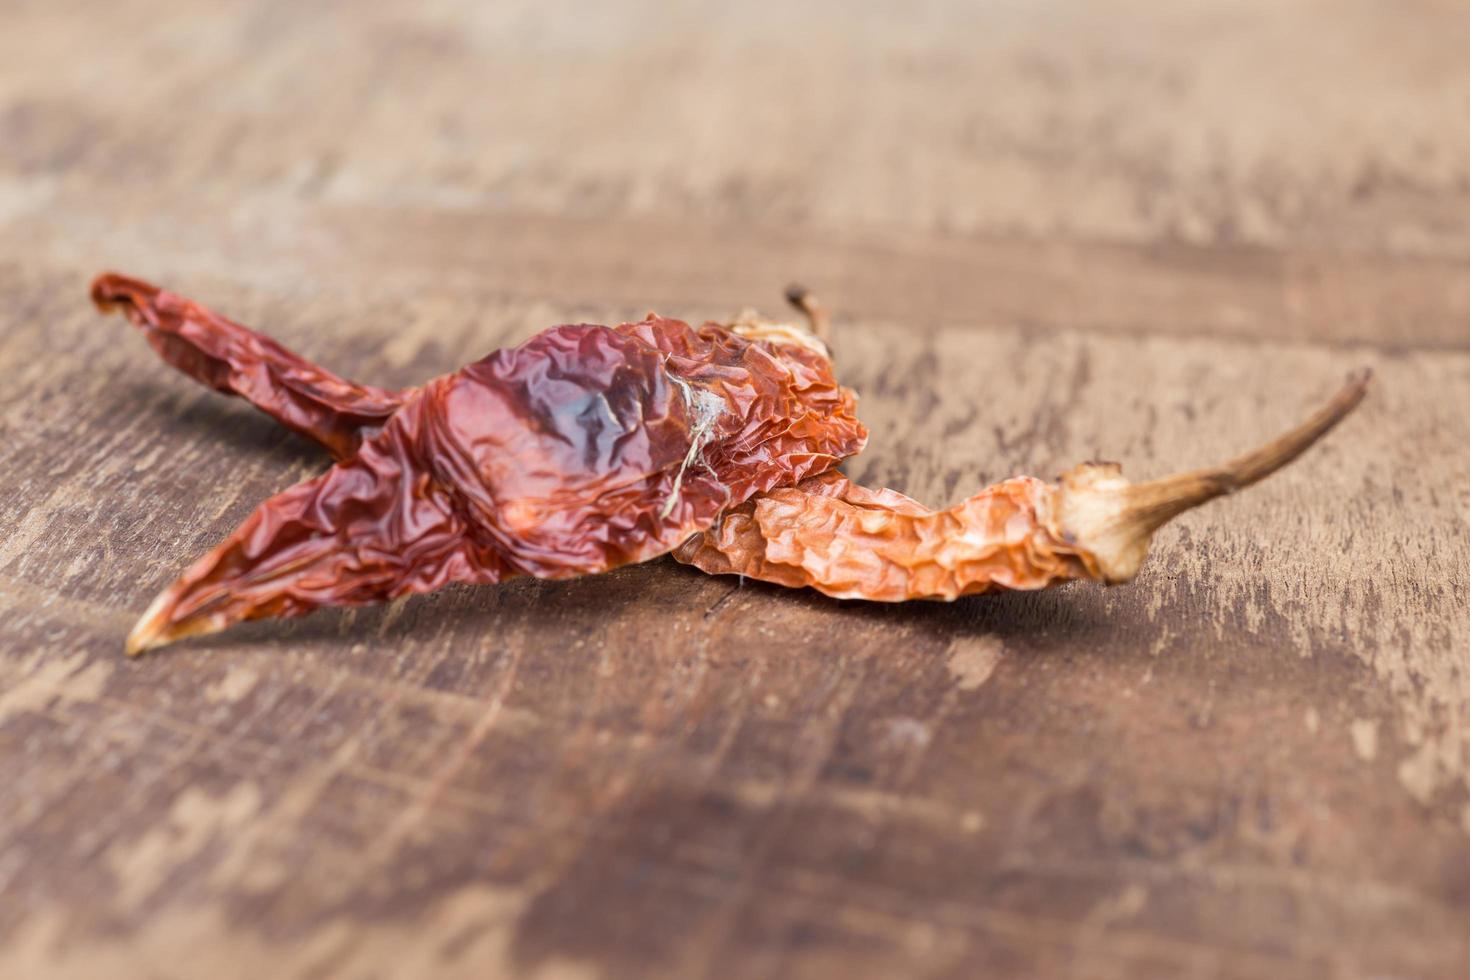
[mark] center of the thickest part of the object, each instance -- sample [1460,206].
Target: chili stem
[817,317]
[1113,520]
[1150,505]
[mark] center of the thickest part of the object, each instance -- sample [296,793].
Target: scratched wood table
[1156,233]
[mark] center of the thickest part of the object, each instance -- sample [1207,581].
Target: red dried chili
[585,448]
[855,543]
[227,357]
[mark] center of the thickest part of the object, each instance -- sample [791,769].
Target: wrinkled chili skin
[565,451]
[585,448]
[238,361]
[373,527]
[852,542]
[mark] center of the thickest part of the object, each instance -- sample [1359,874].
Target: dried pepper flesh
[235,360]
[583,449]
[854,543]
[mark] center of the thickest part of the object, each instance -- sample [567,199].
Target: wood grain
[1155,234]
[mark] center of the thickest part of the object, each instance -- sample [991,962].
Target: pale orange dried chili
[854,543]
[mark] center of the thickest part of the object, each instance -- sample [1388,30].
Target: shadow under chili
[232,426]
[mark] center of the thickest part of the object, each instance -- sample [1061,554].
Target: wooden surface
[1147,231]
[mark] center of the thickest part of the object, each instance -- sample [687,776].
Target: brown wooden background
[1150,231]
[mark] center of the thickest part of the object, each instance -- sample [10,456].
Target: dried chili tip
[110,291]
[1103,515]
[154,628]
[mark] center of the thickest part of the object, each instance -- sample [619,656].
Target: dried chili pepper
[825,532]
[228,357]
[585,448]
[850,542]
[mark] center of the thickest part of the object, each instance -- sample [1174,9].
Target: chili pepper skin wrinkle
[236,360]
[583,449]
[854,543]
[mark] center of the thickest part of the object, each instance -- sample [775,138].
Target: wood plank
[1154,233]
[1217,122]
[560,767]
[456,261]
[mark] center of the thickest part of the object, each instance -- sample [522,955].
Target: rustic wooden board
[1154,235]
